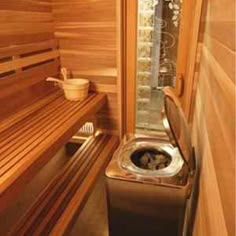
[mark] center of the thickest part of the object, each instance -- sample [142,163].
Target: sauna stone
[150,159]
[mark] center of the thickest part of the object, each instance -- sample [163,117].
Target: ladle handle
[64,73]
[51,79]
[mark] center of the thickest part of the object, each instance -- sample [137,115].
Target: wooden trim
[183,43]
[107,88]
[10,121]
[27,48]
[189,84]
[27,61]
[11,84]
[120,66]
[66,220]
[104,72]
[64,197]
[188,36]
[28,143]
[89,37]
[130,47]
[187,52]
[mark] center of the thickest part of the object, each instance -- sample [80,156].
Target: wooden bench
[55,210]
[35,122]
[29,138]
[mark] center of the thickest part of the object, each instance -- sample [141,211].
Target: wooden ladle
[64,73]
[55,80]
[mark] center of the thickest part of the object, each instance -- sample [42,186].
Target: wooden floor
[93,219]
[18,207]
[91,222]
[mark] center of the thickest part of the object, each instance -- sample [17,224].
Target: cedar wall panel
[214,120]
[25,21]
[26,26]
[86,30]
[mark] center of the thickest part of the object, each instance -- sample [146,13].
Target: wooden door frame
[189,28]
[187,53]
[128,57]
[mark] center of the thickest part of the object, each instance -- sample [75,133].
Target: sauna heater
[150,179]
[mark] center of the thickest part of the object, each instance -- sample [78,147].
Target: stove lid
[177,127]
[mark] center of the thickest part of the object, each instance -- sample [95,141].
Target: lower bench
[56,209]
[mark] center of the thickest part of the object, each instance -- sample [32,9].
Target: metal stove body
[152,202]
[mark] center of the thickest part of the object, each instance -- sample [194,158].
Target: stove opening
[150,159]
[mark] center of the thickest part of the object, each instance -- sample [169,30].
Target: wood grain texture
[130,18]
[187,51]
[23,70]
[184,47]
[26,144]
[214,120]
[25,21]
[28,53]
[30,193]
[87,36]
[65,195]
[120,67]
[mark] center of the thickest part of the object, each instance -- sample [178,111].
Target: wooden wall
[214,120]
[25,21]
[28,52]
[86,30]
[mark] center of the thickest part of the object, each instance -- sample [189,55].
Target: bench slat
[68,189]
[10,121]
[29,124]
[21,145]
[30,142]
[39,130]
[27,48]
[27,61]
[66,221]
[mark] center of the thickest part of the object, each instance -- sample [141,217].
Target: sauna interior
[135,132]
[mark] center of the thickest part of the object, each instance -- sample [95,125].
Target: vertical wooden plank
[120,67]
[131,11]
[89,38]
[214,119]
[191,59]
[187,51]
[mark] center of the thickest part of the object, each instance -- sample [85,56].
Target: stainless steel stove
[150,179]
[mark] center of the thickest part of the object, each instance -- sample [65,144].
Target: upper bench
[29,138]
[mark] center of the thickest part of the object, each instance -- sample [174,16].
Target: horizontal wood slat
[17,50]
[87,34]
[24,16]
[56,208]
[33,135]
[23,68]
[221,31]
[31,60]
[25,28]
[222,55]
[89,10]
[21,80]
[28,53]
[12,39]
[214,120]
[25,21]
[26,5]
[10,121]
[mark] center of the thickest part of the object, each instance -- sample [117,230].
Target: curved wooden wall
[214,120]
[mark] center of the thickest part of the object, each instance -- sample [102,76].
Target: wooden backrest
[23,69]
